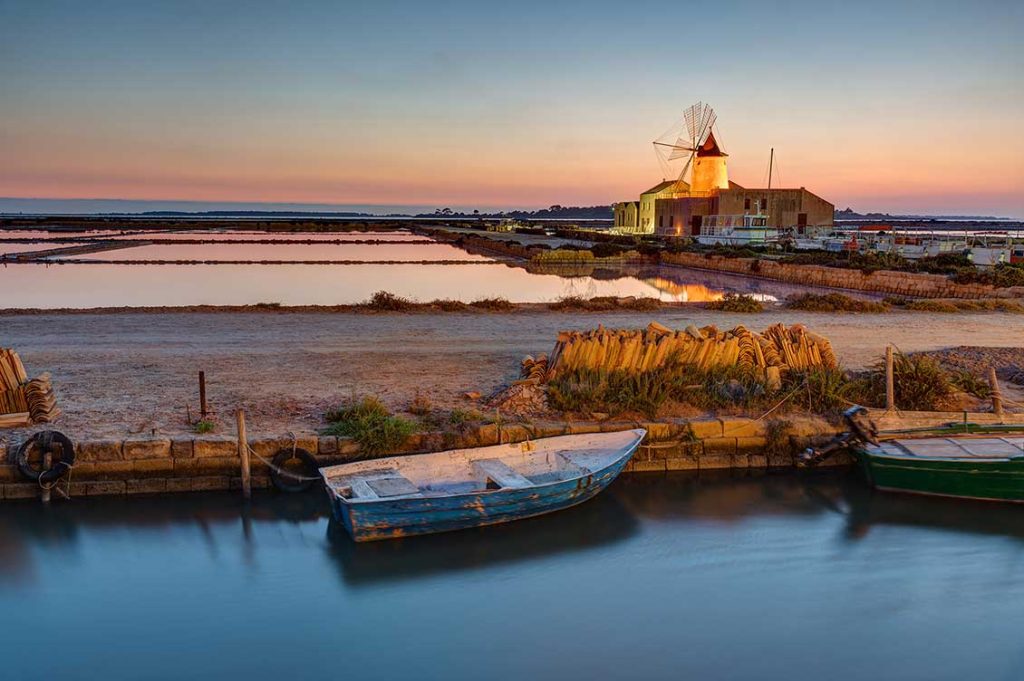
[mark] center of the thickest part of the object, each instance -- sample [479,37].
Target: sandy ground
[120,373]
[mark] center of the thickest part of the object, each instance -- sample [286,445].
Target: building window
[746,204]
[764,203]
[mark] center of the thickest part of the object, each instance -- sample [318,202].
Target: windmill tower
[693,138]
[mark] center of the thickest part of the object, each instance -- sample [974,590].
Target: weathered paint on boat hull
[993,480]
[426,515]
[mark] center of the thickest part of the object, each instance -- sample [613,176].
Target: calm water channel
[663,577]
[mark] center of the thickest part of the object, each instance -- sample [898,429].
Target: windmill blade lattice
[684,138]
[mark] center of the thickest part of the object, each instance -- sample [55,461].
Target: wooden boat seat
[375,484]
[498,472]
[959,448]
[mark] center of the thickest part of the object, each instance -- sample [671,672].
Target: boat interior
[987,447]
[472,471]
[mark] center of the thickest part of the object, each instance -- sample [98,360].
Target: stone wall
[909,284]
[154,465]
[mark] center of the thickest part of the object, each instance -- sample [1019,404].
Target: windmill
[691,138]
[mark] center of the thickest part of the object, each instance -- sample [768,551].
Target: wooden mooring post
[890,380]
[997,395]
[243,454]
[202,394]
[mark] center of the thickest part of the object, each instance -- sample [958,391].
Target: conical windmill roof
[710,147]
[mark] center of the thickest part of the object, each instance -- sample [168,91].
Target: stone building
[676,208]
[794,209]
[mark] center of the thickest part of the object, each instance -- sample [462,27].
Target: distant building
[627,216]
[675,208]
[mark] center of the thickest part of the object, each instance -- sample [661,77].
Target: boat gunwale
[639,435]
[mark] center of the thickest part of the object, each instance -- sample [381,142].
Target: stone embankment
[909,284]
[155,464]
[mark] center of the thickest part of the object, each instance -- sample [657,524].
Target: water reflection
[600,522]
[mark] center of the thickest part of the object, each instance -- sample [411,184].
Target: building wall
[784,207]
[675,217]
[646,221]
[626,216]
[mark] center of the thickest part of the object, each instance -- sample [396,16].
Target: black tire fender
[56,443]
[285,481]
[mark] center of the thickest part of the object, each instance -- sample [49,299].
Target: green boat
[966,461]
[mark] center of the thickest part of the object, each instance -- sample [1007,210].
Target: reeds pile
[534,370]
[776,349]
[22,400]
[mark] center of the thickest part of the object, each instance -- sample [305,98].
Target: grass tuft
[369,422]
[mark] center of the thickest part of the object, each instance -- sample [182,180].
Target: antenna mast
[771,160]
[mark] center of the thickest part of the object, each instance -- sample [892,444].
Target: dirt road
[118,373]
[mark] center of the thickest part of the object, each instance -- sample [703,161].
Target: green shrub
[919,382]
[203,426]
[736,303]
[370,424]
[967,382]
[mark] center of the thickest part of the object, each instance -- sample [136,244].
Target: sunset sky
[894,106]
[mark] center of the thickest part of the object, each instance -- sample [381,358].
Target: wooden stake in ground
[202,394]
[997,395]
[243,454]
[890,380]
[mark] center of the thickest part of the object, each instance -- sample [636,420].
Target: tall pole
[771,162]
[890,382]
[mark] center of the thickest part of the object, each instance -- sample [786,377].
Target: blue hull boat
[454,490]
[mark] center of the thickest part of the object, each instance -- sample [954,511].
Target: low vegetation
[493,305]
[736,303]
[203,426]
[448,305]
[833,302]
[604,303]
[382,301]
[369,422]
[719,389]
[959,305]
[920,384]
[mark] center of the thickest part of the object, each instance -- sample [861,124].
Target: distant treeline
[850,214]
[553,213]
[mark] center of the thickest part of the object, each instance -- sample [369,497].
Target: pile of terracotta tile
[774,351]
[23,401]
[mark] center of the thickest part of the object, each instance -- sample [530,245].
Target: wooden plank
[393,487]
[361,490]
[16,420]
[500,473]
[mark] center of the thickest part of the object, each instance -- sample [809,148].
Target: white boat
[426,493]
[736,230]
